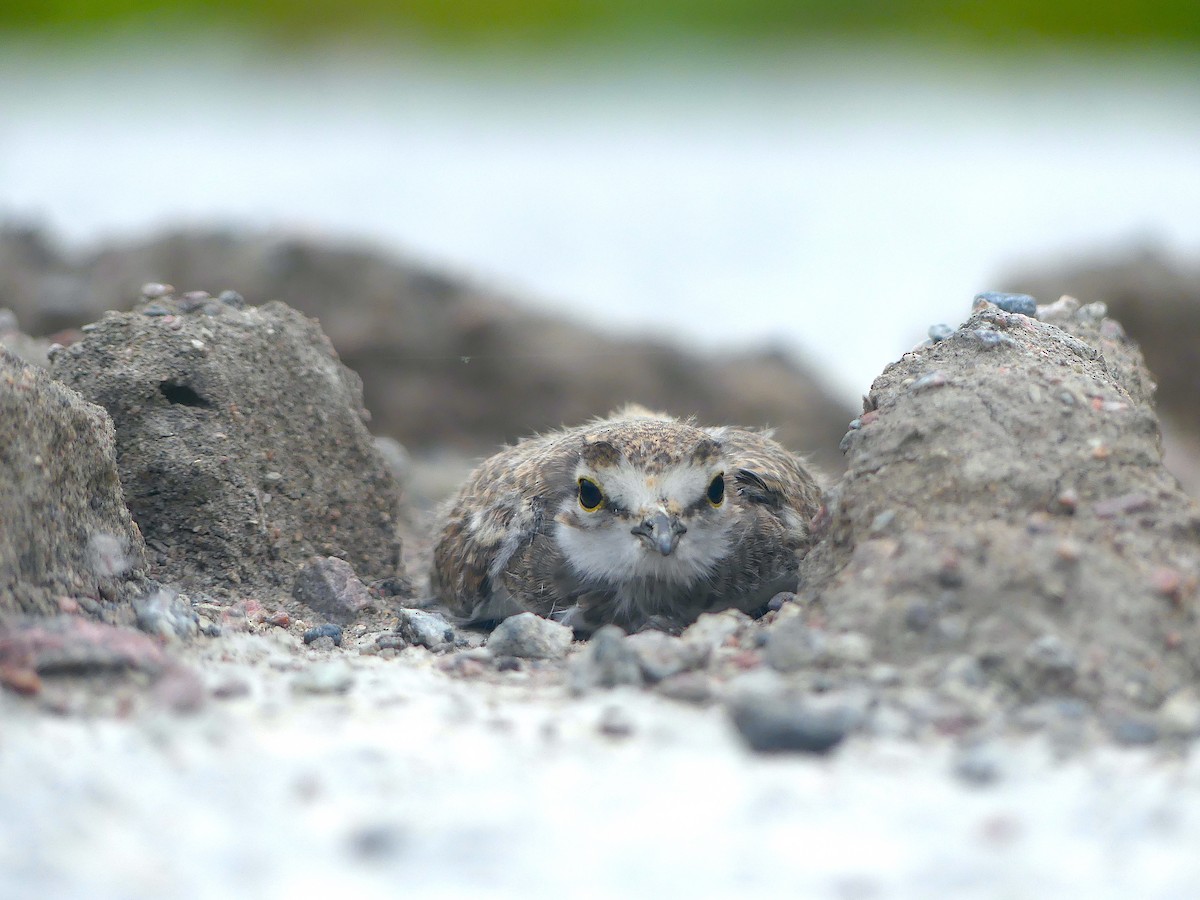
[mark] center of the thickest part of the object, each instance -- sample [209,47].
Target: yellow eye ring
[591,498]
[716,490]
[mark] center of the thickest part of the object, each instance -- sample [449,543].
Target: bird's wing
[506,506]
[768,474]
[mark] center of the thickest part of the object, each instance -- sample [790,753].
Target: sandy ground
[415,781]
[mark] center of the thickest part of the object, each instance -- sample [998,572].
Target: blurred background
[818,181]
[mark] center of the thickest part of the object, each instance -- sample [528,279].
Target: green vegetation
[552,21]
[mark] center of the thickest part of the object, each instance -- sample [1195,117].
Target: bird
[636,519]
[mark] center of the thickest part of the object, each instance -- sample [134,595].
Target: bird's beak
[661,531]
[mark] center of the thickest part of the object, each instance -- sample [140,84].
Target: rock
[714,630]
[978,764]
[1179,716]
[1013,303]
[529,636]
[974,561]
[615,722]
[792,645]
[851,648]
[1052,663]
[778,722]
[687,687]
[324,678]
[241,444]
[329,631]
[71,644]
[163,612]
[378,843]
[662,655]
[607,661]
[64,528]
[1133,731]
[1156,297]
[330,587]
[426,629]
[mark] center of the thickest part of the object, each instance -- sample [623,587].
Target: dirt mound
[1158,301]
[1006,509]
[240,440]
[445,363]
[66,538]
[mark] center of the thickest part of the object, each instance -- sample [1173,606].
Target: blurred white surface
[831,202]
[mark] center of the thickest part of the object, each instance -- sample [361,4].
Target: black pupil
[589,494]
[716,490]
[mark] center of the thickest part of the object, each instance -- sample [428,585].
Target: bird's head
[648,501]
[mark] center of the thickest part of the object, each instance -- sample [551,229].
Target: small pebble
[940,332]
[615,722]
[330,586]
[918,616]
[329,630]
[378,842]
[425,629]
[792,645]
[232,298]
[152,290]
[687,687]
[989,339]
[774,723]
[932,380]
[777,602]
[165,613]
[1052,660]
[1133,732]
[662,655]
[1180,714]
[390,642]
[606,662]
[231,687]
[715,630]
[529,636]
[880,523]
[155,309]
[324,678]
[1023,304]
[978,764]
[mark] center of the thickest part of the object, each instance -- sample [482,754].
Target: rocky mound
[1006,520]
[241,442]
[66,538]
[1158,301]
[444,363]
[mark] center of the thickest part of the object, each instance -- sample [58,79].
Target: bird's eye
[716,490]
[590,496]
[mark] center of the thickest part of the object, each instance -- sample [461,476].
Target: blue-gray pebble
[939,332]
[1012,303]
[329,630]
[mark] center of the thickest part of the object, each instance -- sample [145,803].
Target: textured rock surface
[445,363]
[241,442]
[1006,504]
[64,530]
[1157,299]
